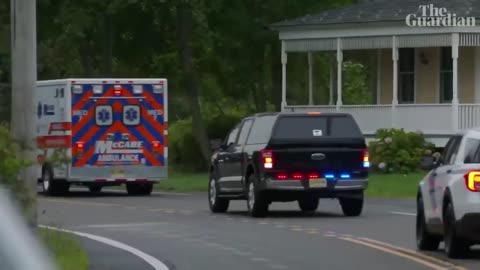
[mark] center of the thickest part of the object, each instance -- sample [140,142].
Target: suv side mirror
[428,163]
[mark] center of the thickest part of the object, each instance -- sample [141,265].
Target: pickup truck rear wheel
[352,207]
[309,204]
[216,204]
[256,202]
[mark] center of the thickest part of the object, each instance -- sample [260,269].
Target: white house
[428,62]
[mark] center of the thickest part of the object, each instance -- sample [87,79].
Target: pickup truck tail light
[296,176]
[267,158]
[472,181]
[365,159]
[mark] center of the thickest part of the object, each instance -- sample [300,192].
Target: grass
[66,250]
[184,182]
[393,185]
[380,185]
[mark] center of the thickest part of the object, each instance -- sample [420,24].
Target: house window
[446,75]
[406,80]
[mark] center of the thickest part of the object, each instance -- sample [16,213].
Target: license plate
[117,173]
[319,182]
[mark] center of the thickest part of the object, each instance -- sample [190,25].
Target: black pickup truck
[283,157]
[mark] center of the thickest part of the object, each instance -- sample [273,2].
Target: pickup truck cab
[283,157]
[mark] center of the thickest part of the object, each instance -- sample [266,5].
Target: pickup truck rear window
[310,127]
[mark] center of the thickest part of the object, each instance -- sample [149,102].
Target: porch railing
[434,119]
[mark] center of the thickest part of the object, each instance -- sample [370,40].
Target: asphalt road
[180,231]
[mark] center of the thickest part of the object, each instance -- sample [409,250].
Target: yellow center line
[396,253]
[456,267]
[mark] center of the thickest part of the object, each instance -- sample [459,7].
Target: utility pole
[24,77]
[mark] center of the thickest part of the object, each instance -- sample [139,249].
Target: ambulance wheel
[137,189]
[53,187]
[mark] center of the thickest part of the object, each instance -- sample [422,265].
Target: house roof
[382,11]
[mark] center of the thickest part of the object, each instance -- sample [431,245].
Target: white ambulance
[102,132]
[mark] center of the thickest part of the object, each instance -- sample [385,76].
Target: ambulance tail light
[156,146]
[472,181]
[79,148]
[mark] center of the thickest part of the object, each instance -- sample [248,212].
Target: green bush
[397,151]
[10,166]
[184,152]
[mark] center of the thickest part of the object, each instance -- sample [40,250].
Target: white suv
[448,198]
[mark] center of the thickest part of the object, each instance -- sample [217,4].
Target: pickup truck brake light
[472,181]
[365,159]
[267,158]
[295,176]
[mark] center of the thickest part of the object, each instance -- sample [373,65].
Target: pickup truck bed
[291,157]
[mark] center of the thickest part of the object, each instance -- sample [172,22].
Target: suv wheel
[425,241]
[217,205]
[256,203]
[455,246]
[308,204]
[352,207]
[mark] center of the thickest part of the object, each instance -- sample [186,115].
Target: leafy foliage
[355,89]
[397,151]
[10,166]
[236,58]
[185,153]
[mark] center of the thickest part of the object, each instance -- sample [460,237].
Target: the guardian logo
[431,16]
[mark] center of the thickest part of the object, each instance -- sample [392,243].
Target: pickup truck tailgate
[322,159]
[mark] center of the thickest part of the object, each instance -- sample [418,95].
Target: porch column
[310,78]
[455,44]
[395,78]
[339,72]
[332,80]
[379,76]
[284,77]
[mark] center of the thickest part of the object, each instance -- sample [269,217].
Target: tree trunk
[108,47]
[276,73]
[184,28]
[87,59]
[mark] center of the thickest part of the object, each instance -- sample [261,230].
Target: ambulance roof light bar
[77,89]
[97,89]
[137,89]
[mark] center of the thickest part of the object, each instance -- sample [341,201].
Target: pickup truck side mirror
[226,146]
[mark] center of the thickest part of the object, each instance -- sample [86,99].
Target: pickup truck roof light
[314,113]
[472,181]
[267,158]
